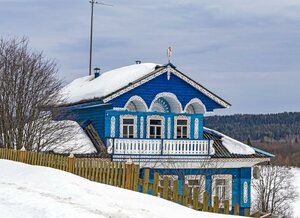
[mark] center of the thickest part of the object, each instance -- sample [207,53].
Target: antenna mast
[91,34]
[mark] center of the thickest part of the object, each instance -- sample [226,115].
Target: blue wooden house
[152,115]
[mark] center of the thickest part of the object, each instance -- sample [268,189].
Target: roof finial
[169,54]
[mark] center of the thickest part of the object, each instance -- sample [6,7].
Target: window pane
[152,130]
[155,122]
[131,130]
[124,130]
[181,122]
[220,182]
[128,121]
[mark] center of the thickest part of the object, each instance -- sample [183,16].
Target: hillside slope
[264,127]
[35,191]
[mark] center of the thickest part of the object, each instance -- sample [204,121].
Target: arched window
[166,102]
[195,106]
[136,104]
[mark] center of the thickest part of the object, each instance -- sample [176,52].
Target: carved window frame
[196,128]
[156,117]
[128,116]
[113,127]
[182,117]
[142,127]
[245,190]
[228,189]
[201,185]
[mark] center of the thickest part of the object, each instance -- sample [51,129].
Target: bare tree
[274,191]
[29,87]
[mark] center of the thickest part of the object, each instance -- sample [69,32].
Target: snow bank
[232,145]
[89,87]
[34,191]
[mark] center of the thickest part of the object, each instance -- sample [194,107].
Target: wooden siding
[94,113]
[239,176]
[175,85]
[117,114]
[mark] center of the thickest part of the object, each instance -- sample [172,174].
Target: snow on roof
[75,140]
[89,87]
[232,145]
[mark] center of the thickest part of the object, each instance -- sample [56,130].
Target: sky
[246,51]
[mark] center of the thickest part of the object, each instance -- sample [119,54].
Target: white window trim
[245,194]
[228,179]
[142,127]
[127,116]
[156,117]
[196,128]
[201,185]
[112,127]
[181,117]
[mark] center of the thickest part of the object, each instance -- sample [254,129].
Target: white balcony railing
[161,147]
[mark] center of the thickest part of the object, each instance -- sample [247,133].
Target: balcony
[159,148]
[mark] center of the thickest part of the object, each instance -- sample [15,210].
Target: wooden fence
[121,175]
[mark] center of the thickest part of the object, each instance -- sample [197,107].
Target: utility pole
[91,33]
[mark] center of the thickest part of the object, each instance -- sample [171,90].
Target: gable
[166,81]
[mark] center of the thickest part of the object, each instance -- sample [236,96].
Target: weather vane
[91,35]
[169,54]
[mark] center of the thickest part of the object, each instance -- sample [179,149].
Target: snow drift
[35,191]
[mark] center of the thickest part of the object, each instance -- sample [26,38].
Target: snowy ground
[34,191]
[296,204]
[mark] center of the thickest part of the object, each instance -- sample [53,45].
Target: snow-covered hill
[34,191]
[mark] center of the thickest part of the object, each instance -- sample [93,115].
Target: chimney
[138,62]
[97,72]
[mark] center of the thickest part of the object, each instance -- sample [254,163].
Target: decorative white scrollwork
[112,127]
[196,128]
[169,128]
[142,127]
[245,192]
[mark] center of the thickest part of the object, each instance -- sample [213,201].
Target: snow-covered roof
[232,145]
[89,87]
[75,140]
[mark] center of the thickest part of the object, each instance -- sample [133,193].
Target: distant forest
[263,127]
[278,134]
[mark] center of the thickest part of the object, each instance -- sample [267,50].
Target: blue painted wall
[116,114]
[177,86]
[239,175]
[91,112]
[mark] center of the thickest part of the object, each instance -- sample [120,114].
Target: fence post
[128,175]
[185,195]
[155,184]
[146,180]
[247,212]
[236,209]
[205,201]
[226,206]
[71,163]
[175,191]
[136,177]
[166,187]
[216,204]
[22,154]
[195,198]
